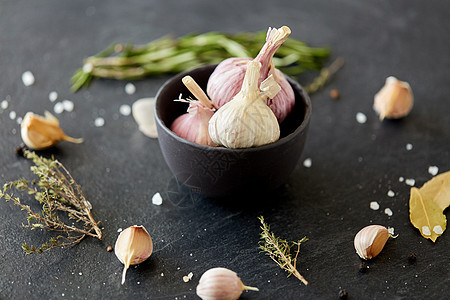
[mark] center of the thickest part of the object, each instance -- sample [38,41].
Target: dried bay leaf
[438,188]
[427,205]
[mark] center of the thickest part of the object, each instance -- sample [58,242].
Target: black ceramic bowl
[218,171]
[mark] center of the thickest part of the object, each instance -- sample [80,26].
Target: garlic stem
[275,38]
[72,140]
[197,91]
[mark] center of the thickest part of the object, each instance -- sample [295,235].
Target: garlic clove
[40,132]
[370,240]
[133,246]
[395,100]
[143,114]
[221,284]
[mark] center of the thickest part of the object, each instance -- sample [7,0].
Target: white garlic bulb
[193,125]
[370,240]
[42,132]
[246,121]
[133,246]
[226,80]
[395,100]
[221,284]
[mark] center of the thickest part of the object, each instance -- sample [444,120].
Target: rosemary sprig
[170,55]
[56,191]
[279,250]
[324,76]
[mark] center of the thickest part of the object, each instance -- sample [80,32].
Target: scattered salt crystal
[388,211]
[80,273]
[4,104]
[99,122]
[401,179]
[391,193]
[12,115]
[87,68]
[409,147]
[190,275]
[138,282]
[426,230]
[27,78]
[391,230]
[119,230]
[438,229]
[19,120]
[410,181]
[157,199]
[185,278]
[433,170]
[125,110]
[361,118]
[130,89]
[162,274]
[307,163]
[58,108]
[374,205]
[53,96]
[68,105]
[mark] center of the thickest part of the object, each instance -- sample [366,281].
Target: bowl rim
[283,140]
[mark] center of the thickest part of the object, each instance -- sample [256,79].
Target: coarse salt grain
[28,78]
[125,110]
[388,211]
[401,179]
[162,274]
[52,96]
[19,120]
[80,273]
[68,105]
[307,163]
[361,118]
[157,199]
[374,205]
[58,107]
[409,147]
[12,115]
[130,89]
[4,104]
[410,181]
[391,230]
[391,193]
[438,229]
[433,170]
[99,122]
[426,230]
[119,230]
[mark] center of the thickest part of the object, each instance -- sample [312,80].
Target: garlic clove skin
[133,246]
[370,240]
[143,113]
[40,132]
[395,100]
[221,284]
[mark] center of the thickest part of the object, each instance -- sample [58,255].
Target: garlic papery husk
[193,125]
[133,246]
[40,132]
[370,240]
[143,113]
[246,121]
[394,100]
[226,80]
[221,284]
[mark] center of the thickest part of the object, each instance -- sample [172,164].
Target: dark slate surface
[119,169]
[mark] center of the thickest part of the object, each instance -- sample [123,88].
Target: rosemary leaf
[279,250]
[59,195]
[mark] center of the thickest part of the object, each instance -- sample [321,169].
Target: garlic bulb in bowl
[226,80]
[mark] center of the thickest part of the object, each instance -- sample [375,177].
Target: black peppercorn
[363,267]
[343,294]
[412,258]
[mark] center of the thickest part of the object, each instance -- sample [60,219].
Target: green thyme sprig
[279,250]
[56,191]
[174,55]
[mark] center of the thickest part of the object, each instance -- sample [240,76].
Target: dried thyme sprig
[55,190]
[169,55]
[325,74]
[279,250]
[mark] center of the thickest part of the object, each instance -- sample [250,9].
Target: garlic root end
[250,288]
